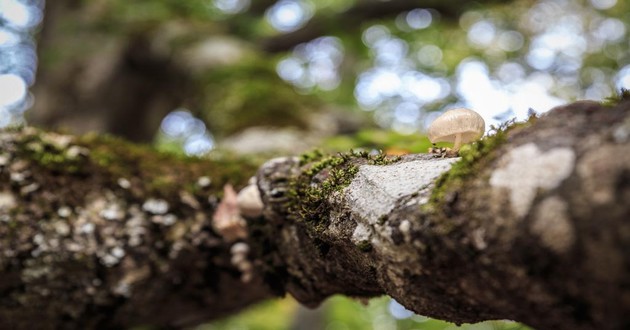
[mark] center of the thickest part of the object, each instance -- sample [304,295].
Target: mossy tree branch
[98,233]
[530,225]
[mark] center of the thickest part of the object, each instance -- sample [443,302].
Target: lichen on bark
[470,253]
[101,224]
[321,177]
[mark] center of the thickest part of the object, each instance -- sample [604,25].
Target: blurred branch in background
[353,19]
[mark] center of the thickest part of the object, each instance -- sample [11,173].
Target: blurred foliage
[340,313]
[251,94]
[269,315]
[390,142]
[549,50]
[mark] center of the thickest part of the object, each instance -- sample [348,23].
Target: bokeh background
[210,64]
[277,77]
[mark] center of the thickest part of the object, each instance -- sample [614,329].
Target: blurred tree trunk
[101,81]
[530,225]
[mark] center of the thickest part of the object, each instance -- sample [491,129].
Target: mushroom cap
[457,121]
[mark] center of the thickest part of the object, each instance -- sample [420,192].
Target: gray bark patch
[376,189]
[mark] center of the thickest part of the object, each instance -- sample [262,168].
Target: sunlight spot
[290,69]
[376,85]
[398,311]
[597,91]
[181,123]
[479,92]
[603,4]
[510,41]
[374,34]
[623,78]
[19,14]
[564,38]
[5,117]
[430,55]
[181,127]
[8,38]
[386,82]
[422,87]
[315,63]
[481,34]
[232,6]
[325,75]
[407,112]
[510,72]
[13,89]
[419,19]
[540,58]
[289,15]
[533,95]
[610,29]
[390,52]
[174,124]
[198,144]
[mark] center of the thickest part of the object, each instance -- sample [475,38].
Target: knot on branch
[273,181]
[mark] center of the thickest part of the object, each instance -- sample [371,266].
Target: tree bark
[536,226]
[97,233]
[529,225]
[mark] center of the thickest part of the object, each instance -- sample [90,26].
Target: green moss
[248,94]
[121,159]
[37,148]
[321,177]
[310,156]
[165,173]
[364,246]
[473,157]
[381,159]
[621,95]
[382,219]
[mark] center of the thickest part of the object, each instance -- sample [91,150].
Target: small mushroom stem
[458,142]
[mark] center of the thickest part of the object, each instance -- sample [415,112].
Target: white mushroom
[249,202]
[458,126]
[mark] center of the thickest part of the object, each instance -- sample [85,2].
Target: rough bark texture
[101,234]
[530,225]
[535,230]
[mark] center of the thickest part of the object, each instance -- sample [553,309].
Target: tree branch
[98,233]
[354,18]
[531,222]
